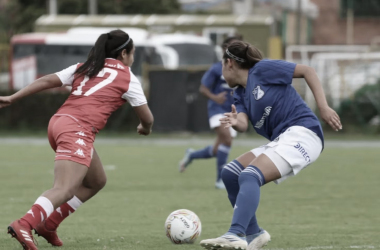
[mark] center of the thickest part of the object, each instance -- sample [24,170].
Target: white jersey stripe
[235,166]
[233,171]
[233,163]
[254,171]
[232,167]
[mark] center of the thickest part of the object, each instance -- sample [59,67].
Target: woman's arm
[146,119]
[45,82]
[238,121]
[327,114]
[219,98]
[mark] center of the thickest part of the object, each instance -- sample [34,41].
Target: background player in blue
[216,89]
[265,97]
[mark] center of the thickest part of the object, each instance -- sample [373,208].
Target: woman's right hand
[230,119]
[329,116]
[5,101]
[220,98]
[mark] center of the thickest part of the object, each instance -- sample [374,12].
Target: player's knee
[244,177]
[100,183]
[96,184]
[228,176]
[251,175]
[225,137]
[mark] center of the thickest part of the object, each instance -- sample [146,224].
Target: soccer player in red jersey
[99,86]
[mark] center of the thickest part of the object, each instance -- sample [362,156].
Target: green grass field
[334,204]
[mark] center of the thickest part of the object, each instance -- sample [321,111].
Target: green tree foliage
[362,107]
[18,16]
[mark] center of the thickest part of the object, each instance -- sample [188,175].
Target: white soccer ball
[183,227]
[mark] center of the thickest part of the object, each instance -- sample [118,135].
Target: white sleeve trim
[67,75]
[135,94]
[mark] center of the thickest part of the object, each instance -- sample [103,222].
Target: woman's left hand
[329,116]
[143,131]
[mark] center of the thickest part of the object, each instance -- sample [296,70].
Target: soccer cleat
[185,160]
[220,184]
[50,236]
[23,235]
[225,242]
[261,240]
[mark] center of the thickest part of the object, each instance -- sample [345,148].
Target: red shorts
[70,140]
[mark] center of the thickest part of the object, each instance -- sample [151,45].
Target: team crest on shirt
[258,93]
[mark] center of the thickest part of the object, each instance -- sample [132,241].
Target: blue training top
[214,81]
[271,103]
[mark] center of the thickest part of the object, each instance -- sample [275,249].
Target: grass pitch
[333,204]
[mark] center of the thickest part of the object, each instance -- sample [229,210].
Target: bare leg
[94,180]
[224,137]
[68,177]
[246,158]
[263,163]
[267,167]
[221,151]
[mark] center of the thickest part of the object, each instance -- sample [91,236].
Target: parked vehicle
[36,54]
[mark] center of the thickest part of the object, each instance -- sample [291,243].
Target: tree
[19,16]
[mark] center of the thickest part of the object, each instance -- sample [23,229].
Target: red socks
[58,216]
[43,210]
[34,216]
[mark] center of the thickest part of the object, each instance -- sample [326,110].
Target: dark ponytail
[108,45]
[245,55]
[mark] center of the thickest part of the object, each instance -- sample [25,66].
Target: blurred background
[332,205]
[177,41]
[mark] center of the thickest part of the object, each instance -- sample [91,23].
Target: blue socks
[230,177]
[252,229]
[247,201]
[204,153]
[221,159]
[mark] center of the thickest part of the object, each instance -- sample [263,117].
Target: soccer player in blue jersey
[216,89]
[266,98]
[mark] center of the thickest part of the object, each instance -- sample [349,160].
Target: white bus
[36,54]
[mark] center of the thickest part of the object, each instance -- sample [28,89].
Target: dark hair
[245,55]
[230,39]
[108,45]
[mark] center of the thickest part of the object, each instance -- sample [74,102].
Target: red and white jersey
[93,100]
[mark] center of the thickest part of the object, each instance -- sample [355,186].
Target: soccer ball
[183,227]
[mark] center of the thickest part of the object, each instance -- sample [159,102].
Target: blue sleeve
[275,71]
[209,78]
[239,103]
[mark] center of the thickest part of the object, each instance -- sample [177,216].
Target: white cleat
[225,242]
[185,160]
[260,241]
[220,184]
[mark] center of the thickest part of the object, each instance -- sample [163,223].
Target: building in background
[255,29]
[222,6]
[335,25]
